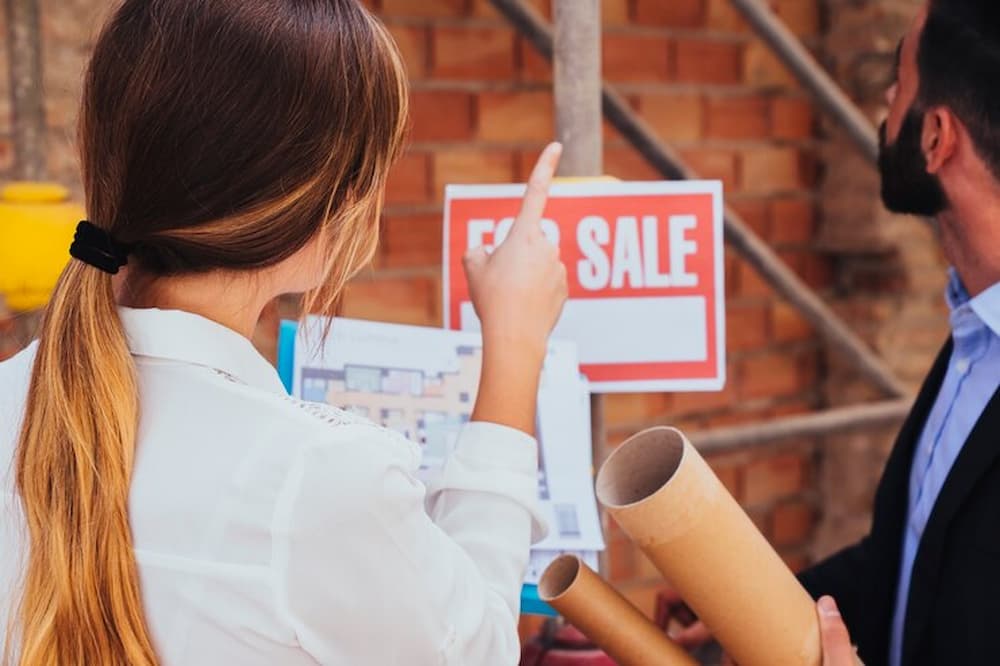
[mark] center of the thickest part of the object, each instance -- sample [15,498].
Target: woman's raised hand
[519,290]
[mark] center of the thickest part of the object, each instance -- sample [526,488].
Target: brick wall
[482,110]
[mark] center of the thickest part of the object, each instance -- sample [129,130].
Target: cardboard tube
[667,499]
[606,617]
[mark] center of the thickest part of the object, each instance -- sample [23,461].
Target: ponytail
[80,602]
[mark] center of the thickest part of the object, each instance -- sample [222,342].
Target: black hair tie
[96,247]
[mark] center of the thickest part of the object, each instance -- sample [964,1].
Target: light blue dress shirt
[972,378]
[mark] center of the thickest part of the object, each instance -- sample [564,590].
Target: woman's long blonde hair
[214,134]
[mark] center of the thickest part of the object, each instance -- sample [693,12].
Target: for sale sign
[645,267]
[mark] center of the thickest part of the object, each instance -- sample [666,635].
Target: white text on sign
[635,253]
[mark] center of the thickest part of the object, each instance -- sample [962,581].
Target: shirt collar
[189,338]
[986,305]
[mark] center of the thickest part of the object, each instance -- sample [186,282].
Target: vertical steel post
[577,83]
[24,54]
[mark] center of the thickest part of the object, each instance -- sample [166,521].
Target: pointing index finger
[537,192]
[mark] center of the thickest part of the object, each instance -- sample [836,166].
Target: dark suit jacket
[953,614]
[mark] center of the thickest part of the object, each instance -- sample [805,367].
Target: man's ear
[939,138]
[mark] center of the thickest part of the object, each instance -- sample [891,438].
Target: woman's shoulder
[17,368]
[15,376]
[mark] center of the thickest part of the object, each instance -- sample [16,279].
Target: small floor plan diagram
[424,406]
[422,383]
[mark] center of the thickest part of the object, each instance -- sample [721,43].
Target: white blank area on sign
[629,330]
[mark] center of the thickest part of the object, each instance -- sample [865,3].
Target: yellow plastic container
[37,222]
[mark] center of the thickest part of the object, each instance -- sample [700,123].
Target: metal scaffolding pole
[577,86]
[577,89]
[27,108]
[738,233]
[830,422]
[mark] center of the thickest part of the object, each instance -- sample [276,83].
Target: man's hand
[683,627]
[837,648]
[679,621]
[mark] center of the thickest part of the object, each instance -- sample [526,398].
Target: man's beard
[907,188]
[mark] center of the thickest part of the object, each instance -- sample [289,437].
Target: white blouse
[272,531]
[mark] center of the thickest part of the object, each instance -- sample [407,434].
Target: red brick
[616,437]
[732,271]
[809,168]
[533,66]
[792,118]
[774,478]
[737,117]
[626,163]
[793,221]
[432,8]
[814,269]
[485,9]
[413,44]
[788,325]
[706,401]
[614,12]
[731,477]
[792,523]
[471,165]
[516,116]
[629,57]
[626,408]
[439,115]
[756,213]
[410,241]
[411,300]
[674,117]
[674,13]
[762,68]
[769,170]
[759,518]
[769,375]
[795,407]
[801,16]
[749,283]
[471,52]
[707,61]
[720,15]
[746,327]
[409,180]
[713,165]
[621,560]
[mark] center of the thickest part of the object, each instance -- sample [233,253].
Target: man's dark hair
[958,59]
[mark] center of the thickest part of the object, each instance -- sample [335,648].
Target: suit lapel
[978,454]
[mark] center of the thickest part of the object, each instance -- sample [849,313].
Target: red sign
[645,268]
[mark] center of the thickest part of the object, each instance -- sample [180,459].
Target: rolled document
[606,617]
[670,503]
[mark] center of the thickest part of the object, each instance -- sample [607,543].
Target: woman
[164,501]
